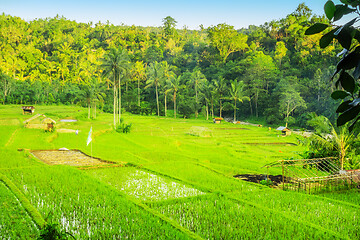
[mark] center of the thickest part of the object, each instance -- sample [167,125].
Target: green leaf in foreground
[339,94]
[345,37]
[327,38]
[348,115]
[316,28]
[348,62]
[347,82]
[342,10]
[329,9]
[344,106]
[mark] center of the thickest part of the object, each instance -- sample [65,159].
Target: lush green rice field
[174,180]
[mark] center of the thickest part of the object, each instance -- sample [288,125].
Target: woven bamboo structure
[315,175]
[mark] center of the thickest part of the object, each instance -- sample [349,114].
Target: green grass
[216,217]
[176,186]
[15,223]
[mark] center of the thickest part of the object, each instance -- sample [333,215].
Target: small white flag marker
[89,139]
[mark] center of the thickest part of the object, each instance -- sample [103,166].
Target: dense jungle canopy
[271,72]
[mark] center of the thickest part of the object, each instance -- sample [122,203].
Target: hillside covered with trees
[271,72]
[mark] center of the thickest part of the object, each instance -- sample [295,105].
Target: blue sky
[150,13]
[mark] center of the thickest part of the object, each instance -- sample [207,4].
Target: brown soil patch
[277,179]
[68,157]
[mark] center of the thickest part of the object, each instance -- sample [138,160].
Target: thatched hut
[217,120]
[49,124]
[284,130]
[40,121]
[28,109]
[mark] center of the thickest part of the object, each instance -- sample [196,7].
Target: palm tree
[197,79]
[138,73]
[123,69]
[329,138]
[109,66]
[98,94]
[116,64]
[167,74]
[174,84]
[220,88]
[236,94]
[155,76]
[207,93]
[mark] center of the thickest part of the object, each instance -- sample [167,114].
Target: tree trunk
[318,97]
[287,114]
[342,155]
[95,110]
[165,105]
[157,100]
[250,106]
[119,99]
[196,102]
[89,102]
[174,104]
[114,104]
[207,110]
[139,92]
[212,108]
[220,108]
[256,104]
[235,112]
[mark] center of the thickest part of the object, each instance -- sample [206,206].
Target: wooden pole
[283,172]
[91,142]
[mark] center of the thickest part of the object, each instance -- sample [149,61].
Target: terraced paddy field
[167,179]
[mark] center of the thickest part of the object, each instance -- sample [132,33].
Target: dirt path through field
[11,139]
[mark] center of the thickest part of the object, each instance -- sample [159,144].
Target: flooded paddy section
[143,185]
[68,120]
[68,157]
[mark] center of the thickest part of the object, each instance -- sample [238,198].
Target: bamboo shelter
[40,121]
[315,175]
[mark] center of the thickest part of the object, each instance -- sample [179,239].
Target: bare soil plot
[258,178]
[68,157]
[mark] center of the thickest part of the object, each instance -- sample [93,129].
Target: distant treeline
[272,71]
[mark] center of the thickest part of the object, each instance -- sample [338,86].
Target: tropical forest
[130,132]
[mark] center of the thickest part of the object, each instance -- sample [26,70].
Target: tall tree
[123,70]
[220,89]
[259,74]
[290,100]
[169,24]
[226,39]
[197,80]
[7,84]
[208,95]
[174,84]
[115,64]
[167,73]
[138,74]
[237,94]
[154,77]
[280,51]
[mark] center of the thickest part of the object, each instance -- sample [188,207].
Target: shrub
[51,231]
[124,128]
[267,182]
